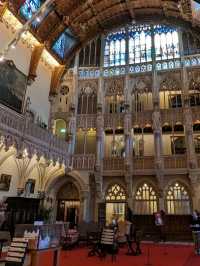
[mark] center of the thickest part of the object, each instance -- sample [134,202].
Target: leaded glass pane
[116,193]
[115,49]
[29,8]
[178,200]
[64,44]
[146,200]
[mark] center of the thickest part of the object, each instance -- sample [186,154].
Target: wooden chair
[108,244]
[16,252]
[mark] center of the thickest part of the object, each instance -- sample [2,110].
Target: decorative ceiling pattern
[85,19]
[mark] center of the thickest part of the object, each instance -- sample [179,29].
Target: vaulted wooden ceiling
[88,18]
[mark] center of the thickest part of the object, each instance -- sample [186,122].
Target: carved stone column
[188,121]
[128,125]
[156,119]
[195,184]
[187,112]
[84,206]
[73,108]
[100,126]
[52,100]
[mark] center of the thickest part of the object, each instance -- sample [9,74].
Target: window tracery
[135,44]
[178,199]
[146,201]
[116,193]
[87,100]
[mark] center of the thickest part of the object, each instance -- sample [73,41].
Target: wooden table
[35,256]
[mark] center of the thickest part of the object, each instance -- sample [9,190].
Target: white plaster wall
[39,90]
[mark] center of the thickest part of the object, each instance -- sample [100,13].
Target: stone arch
[151,181]
[54,183]
[180,180]
[169,82]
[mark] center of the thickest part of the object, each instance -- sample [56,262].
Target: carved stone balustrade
[83,161]
[60,115]
[145,162]
[195,113]
[113,120]
[142,118]
[86,121]
[171,115]
[18,130]
[115,163]
[175,161]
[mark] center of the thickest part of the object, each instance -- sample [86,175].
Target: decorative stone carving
[156,120]
[114,86]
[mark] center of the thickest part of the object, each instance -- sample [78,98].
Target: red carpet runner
[160,255]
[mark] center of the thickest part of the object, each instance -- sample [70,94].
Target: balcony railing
[146,162]
[113,120]
[175,161]
[86,121]
[25,133]
[83,161]
[171,114]
[142,118]
[113,164]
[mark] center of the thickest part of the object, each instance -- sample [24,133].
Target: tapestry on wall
[12,86]
[5,182]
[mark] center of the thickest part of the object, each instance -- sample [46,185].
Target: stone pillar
[157,125]
[84,206]
[187,112]
[195,185]
[128,124]
[100,127]
[52,100]
[73,108]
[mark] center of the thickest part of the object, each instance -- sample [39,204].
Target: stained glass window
[64,44]
[116,193]
[115,49]
[146,201]
[178,200]
[29,8]
[166,43]
[140,44]
[196,9]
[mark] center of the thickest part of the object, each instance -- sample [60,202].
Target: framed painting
[13,85]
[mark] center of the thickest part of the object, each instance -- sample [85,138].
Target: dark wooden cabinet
[177,227]
[21,211]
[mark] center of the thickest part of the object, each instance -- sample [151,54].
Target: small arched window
[60,128]
[87,101]
[146,201]
[116,193]
[178,199]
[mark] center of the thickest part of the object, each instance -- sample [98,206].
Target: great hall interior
[100,118]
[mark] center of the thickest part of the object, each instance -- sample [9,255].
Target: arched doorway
[68,204]
[115,203]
